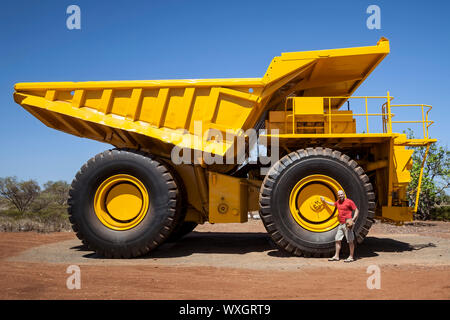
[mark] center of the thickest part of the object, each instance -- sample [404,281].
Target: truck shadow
[214,242]
[242,243]
[204,242]
[372,245]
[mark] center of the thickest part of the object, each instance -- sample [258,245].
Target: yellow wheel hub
[121,202]
[308,209]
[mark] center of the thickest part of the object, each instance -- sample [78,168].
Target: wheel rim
[121,202]
[307,208]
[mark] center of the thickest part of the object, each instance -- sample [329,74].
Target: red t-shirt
[345,209]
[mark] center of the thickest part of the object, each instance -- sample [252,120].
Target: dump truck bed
[157,114]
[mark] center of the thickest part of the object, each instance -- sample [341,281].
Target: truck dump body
[155,115]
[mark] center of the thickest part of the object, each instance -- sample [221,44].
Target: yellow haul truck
[183,150]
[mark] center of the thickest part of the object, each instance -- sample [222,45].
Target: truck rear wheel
[290,204]
[124,203]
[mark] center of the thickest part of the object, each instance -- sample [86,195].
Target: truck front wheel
[290,205]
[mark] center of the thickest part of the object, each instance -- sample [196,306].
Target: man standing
[345,208]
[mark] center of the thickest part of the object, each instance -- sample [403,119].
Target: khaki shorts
[343,230]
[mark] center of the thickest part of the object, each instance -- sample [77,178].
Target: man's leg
[349,235]
[338,238]
[338,249]
[351,244]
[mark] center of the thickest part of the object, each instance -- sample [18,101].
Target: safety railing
[386,114]
[425,122]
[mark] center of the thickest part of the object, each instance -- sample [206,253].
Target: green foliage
[441,213]
[435,181]
[23,205]
[53,198]
[21,194]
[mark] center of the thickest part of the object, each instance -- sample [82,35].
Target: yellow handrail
[367,116]
[419,183]
[329,115]
[389,112]
[386,113]
[425,122]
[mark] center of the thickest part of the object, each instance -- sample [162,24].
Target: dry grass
[32,222]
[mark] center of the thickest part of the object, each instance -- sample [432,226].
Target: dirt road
[235,261]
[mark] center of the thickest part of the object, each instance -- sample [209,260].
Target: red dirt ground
[33,280]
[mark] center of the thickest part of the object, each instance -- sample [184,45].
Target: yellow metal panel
[232,112]
[105,102]
[227,199]
[335,72]
[342,115]
[398,214]
[36,87]
[281,67]
[134,104]
[201,110]
[92,98]
[382,47]
[178,108]
[402,164]
[341,122]
[308,105]
[153,106]
[375,137]
[78,98]
[277,116]
[338,127]
[50,95]
[120,101]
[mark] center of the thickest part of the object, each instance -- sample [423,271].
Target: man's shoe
[333,259]
[349,259]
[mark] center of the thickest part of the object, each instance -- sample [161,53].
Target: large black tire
[281,178]
[156,226]
[181,227]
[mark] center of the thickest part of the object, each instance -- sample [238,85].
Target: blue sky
[134,40]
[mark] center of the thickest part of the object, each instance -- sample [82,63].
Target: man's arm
[356,215]
[327,202]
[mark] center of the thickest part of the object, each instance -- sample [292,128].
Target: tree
[19,193]
[435,180]
[59,191]
[54,195]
